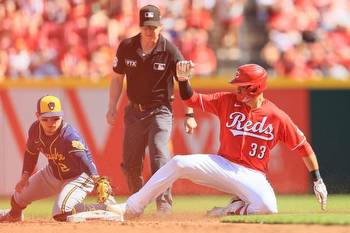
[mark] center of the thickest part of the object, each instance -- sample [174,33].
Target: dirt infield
[176,223]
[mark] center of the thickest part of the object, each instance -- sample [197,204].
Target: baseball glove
[103,188]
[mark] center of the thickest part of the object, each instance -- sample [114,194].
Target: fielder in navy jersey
[70,173]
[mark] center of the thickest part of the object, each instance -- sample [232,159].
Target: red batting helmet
[251,75]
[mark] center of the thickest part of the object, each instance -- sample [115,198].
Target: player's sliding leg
[212,171]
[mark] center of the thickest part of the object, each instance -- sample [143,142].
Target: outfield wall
[85,104]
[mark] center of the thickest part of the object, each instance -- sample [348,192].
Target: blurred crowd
[308,39]
[78,38]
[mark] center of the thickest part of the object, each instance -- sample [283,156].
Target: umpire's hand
[111,117]
[184,70]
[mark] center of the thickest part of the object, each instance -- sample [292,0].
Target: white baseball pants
[214,171]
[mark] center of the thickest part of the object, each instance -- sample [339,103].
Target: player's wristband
[315,174]
[189,114]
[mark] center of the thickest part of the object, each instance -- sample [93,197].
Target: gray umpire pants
[150,128]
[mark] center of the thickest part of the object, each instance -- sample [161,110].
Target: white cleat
[230,209]
[119,209]
[110,200]
[216,212]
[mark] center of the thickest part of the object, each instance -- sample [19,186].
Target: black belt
[144,107]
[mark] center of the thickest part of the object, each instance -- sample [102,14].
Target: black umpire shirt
[150,78]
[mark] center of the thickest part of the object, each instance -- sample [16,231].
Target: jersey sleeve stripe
[31,153]
[202,104]
[301,143]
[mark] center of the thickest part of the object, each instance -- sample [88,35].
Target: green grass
[297,209]
[303,210]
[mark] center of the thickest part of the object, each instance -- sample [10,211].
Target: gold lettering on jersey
[78,145]
[55,156]
[240,126]
[63,167]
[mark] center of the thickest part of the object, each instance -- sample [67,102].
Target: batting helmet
[253,76]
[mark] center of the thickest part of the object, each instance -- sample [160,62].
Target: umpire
[148,61]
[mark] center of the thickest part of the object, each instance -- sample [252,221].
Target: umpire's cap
[49,106]
[150,16]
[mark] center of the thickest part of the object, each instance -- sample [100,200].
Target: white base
[95,215]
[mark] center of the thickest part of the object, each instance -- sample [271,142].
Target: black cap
[150,16]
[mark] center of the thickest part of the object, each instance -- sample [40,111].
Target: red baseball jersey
[248,135]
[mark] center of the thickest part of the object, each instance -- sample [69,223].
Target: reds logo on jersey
[239,126]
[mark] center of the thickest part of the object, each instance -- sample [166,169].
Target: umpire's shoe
[5,216]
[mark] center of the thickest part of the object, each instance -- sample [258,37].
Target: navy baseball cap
[150,16]
[49,106]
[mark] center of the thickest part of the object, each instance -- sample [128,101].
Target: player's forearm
[87,160]
[310,162]
[312,165]
[115,90]
[29,163]
[186,91]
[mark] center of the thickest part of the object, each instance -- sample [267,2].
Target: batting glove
[321,193]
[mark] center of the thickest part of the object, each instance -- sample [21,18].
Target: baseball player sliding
[70,173]
[250,126]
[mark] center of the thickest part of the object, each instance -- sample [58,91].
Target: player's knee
[270,209]
[178,162]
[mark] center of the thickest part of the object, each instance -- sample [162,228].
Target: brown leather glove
[103,188]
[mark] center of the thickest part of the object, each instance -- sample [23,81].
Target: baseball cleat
[110,200]
[216,212]
[5,216]
[230,209]
[119,209]
[164,209]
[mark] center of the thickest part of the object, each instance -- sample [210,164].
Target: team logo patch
[78,145]
[149,14]
[51,105]
[130,63]
[159,66]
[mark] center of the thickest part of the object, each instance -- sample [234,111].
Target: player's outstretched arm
[320,189]
[29,163]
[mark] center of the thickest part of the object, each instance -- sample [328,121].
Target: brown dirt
[176,223]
